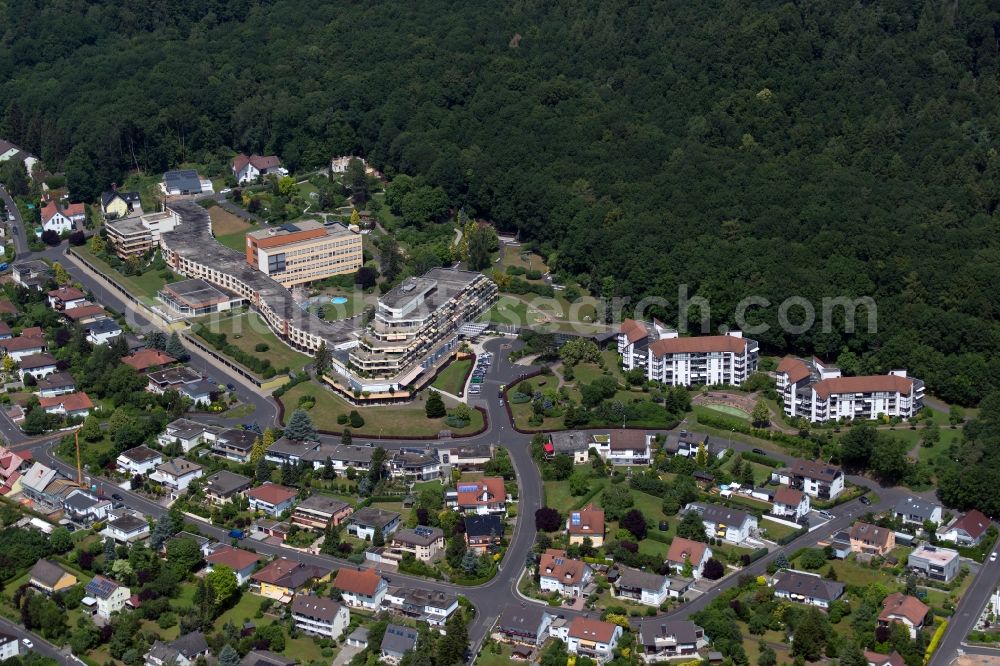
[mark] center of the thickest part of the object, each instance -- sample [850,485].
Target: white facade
[670,359]
[9,647]
[126,465]
[311,623]
[58,223]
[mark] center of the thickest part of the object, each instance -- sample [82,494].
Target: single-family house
[177,474]
[917,511]
[317,512]
[641,587]
[904,609]
[527,624]
[183,182]
[571,443]
[271,498]
[182,651]
[116,204]
[661,639]
[224,485]
[467,457]
[562,574]
[58,383]
[414,465]
[721,522]
[806,588]
[396,642]
[66,298]
[424,543]
[686,553]
[127,528]
[428,606]
[145,360]
[867,539]
[138,460]
[24,345]
[102,331]
[242,562]
[49,577]
[626,447]
[596,639]
[320,616]
[790,503]
[247,168]
[483,533]
[481,496]
[37,365]
[934,562]
[879,659]
[967,530]
[281,578]
[363,523]
[109,596]
[234,444]
[84,507]
[69,405]
[84,314]
[361,588]
[586,523]
[187,433]
[816,479]
[54,219]
[34,274]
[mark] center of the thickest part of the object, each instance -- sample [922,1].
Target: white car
[27,643]
[993,557]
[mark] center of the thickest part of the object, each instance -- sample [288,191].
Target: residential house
[562,574]
[467,457]
[869,539]
[10,646]
[319,616]
[177,474]
[145,360]
[184,182]
[483,533]
[36,480]
[54,219]
[69,405]
[317,512]
[878,659]
[904,609]
[661,639]
[527,624]
[572,443]
[363,523]
[396,642]
[23,346]
[280,578]
[234,444]
[685,552]
[37,365]
[11,465]
[247,168]
[182,651]
[790,503]
[224,485]
[187,433]
[49,577]
[271,498]
[109,596]
[592,638]
[184,380]
[424,543]
[361,588]
[434,608]
[415,465]
[84,507]
[934,562]
[967,530]
[587,523]
[138,460]
[917,511]
[721,522]
[816,479]
[32,275]
[266,658]
[115,204]
[626,447]
[806,588]
[56,384]
[127,528]
[102,331]
[242,562]
[641,587]
[66,298]
[482,496]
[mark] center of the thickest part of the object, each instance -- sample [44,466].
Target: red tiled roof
[259,161]
[587,629]
[555,564]
[22,343]
[795,368]
[870,534]
[49,211]
[877,659]
[788,496]
[699,345]
[492,485]
[8,307]
[272,493]
[358,581]
[74,209]
[902,605]
[67,294]
[147,358]
[681,548]
[71,402]
[33,332]
[974,523]
[234,558]
[869,384]
[84,311]
[591,521]
[633,330]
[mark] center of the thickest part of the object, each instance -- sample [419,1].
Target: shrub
[261,347]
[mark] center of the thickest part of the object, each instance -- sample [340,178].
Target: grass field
[775,530]
[247,330]
[729,411]
[389,421]
[557,493]
[452,378]
[146,285]
[229,229]
[355,305]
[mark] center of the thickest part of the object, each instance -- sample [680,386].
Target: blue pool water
[338,300]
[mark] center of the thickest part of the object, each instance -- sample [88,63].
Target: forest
[763,148]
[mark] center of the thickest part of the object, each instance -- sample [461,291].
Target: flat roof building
[195,297]
[304,252]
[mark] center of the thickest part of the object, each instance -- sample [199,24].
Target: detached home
[592,638]
[247,168]
[242,562]
[49,577]
[816,479]
[869,539]
[224,485]
[320,616]
[317,512]
[66,298]
[806,588]
[68,405]
[177,474]
[138,460]
[661,639]
[271,498]
[903,609]
[280,578]
[482,496]
[685,552]
[721,522]
[917,511]
[790,503]
[182,651]
[626,447]
[968,530]
[361,588]
[587,523]
[424,543]
[363,523]
[434,608]
[641,587]
[37,365]
[527,624]
[108,596]
[562,574]
[483,533]
[127,528]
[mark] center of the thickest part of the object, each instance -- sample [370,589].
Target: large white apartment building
[818,392]
[670,359]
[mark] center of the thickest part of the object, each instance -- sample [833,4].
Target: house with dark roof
[722,522]
[415,465]
[224,485]
[483,533]
[424,543]
[428,606]
[247,168]
[266,658]
[661,639]
[84,507]
[320,616]
[117,204]
[234,444]
[56,384]
[37,365]
[127,528]
[527,624]
[317,512]
[33,274]
[49,577]
[572,443]
[626,447]
[363,523]
[867,539]
[916,511]
[177,474]
[815,478]
[138,460]
[182,651]
[23,346]
[790,503]
[181,182]
[10,645]
[361,588]
[903,609]
[108,596]
[806,588]
[642,587]
[187,433]
[281,578]
[967,530]
[397,641]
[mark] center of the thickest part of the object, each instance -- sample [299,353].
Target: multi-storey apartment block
[304,252]
[417,323]
[818,392]
[135,236]
[670,359]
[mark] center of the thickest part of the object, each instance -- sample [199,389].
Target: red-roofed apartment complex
[670,359]
[818,392]
[482,496]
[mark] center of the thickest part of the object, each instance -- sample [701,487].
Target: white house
[625,447]
[917,511]
[127,528]
[592,638]
[248,168]
[320,616]
[967,530]
[10,646]
[102,331]
[806,588]
[139,460]
[54,219]
[109,596]
[188,433]
[790,503]
[640,586]
[176,474]
[361,588]
[242,562]
[562,574]
[721,522]
[67,298]
[183,651]
[37,365]
[271,498]
[816,479]
[434,608]
[69,404]
[685,552]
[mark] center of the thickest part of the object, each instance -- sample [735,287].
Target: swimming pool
[338,300]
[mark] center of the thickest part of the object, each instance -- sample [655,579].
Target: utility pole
[79,467]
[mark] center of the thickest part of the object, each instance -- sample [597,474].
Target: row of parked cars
[479,373]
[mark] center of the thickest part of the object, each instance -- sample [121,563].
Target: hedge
[582,502]
[262,367]
[935,640]
[788,538]
[763,460]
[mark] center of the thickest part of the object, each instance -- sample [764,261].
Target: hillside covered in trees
[772,148]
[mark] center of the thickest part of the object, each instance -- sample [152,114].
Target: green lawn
[729,411]
[775,530]
[452,378]
[557,493]
[146,285]
[850,572]
[508,310]
[656,548]
[244,610]
[389,421]
[247,330]
[500,658]
[236,241]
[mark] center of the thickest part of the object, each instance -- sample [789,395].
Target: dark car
[231,387]
[759,452]
[864,500]
[117,497]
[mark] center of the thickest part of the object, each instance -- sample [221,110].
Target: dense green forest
[773,148]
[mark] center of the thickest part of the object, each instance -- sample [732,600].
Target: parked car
[117,497]
[237,534]
[759,452]
[27,643]
[864,500]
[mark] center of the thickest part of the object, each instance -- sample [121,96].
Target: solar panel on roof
[291,228]
[575,518]
[468,489]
